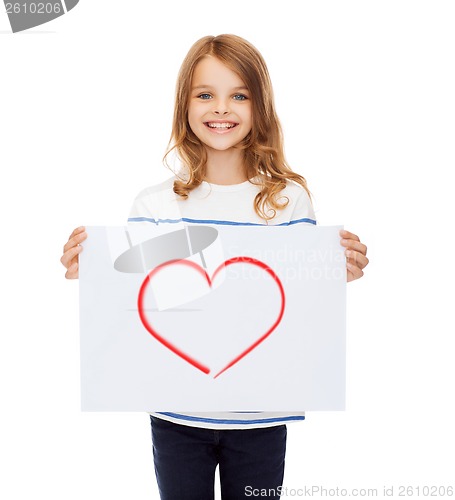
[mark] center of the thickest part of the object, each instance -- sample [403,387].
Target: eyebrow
[210,87]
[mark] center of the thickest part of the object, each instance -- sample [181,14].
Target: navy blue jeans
[250,461]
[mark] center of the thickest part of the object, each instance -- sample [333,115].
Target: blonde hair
[262,148]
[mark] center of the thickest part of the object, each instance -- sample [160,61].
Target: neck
[225,167]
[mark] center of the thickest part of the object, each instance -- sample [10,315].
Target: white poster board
[209,318]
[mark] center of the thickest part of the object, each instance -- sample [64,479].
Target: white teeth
[221,125]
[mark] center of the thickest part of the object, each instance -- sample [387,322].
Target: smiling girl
[228,137]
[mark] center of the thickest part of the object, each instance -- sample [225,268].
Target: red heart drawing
[197,267]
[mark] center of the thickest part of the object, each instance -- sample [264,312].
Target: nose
[221,107]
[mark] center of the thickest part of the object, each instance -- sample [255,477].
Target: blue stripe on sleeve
[211,221]
[231,421]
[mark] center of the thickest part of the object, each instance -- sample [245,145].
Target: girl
[228,137]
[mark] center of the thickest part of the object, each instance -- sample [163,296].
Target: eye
[201,96]
[242,97]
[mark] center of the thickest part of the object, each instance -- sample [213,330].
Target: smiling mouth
[220,126]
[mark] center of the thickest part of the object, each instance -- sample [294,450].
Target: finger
[354,245]
[68,257]
[361,261]
[353,272]
[348,235]
[75,240]
[73,272]
[357,258]
[78,230]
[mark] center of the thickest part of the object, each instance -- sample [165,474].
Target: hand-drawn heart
[197,267]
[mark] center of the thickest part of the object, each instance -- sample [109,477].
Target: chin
[217,147]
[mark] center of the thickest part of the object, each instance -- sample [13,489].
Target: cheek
[247,114]
[248,119]
[194,114]
[190,113]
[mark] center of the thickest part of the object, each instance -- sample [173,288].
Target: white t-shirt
[227,205]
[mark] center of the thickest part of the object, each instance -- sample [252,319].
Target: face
[219,111]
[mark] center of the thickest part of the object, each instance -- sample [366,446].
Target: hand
[356,255]
[71,251]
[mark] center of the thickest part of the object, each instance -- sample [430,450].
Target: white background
[365,93]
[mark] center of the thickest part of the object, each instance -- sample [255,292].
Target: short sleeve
[143,209]
[156,203]
[303,209]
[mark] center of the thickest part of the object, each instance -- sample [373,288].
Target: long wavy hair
[263,151]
